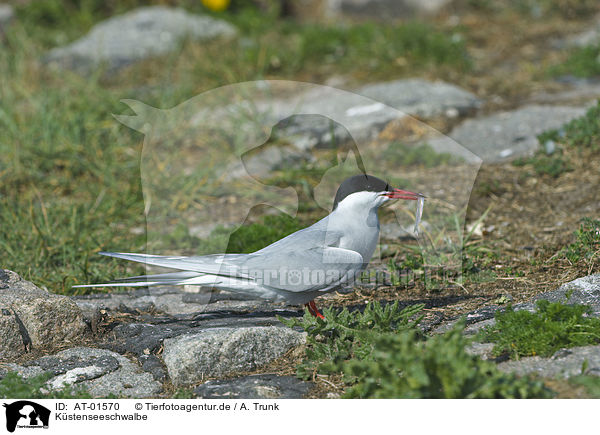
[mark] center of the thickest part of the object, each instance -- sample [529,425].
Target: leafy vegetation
[553,326]
[582,62]
[383,354]
[250,238]
[587,243]
[590,383]
[542,164]
[13,386]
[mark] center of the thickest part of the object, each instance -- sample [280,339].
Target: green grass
[542,164]
[582,62]
[587,243]
[447,256]
[382,353]
[590,383]
[553,326]
[400,154]
[13,386]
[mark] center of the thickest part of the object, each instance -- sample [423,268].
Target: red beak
[403,194]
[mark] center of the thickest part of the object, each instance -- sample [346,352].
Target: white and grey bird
[318,259]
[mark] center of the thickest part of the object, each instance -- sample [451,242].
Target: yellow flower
[216,5]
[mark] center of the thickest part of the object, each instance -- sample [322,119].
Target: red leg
[312,309]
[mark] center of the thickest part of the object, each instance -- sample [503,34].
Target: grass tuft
[553,326]
[587,243]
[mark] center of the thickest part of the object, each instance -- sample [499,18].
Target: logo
[26,414]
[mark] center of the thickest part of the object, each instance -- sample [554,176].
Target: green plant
[554,325]
[582,132]
[250,238]
[340,335]
[13,386]
[382,353]
[590,383]
[542,164]
[581,62]
[587,243]
[403,365]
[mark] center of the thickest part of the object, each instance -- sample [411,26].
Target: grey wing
[314,236]
[316,269]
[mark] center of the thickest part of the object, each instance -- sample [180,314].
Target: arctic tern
[318,259]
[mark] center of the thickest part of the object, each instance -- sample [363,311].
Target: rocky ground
[155,342]
[150,343]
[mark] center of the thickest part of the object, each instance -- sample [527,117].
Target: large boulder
[33,317]
[190,359]
[360,115]
[136,35]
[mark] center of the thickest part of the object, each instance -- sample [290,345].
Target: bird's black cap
[359,183]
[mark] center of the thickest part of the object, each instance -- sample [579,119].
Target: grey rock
[142,339]
[13,343]
[6,16]
[99,371]
[170,300]
[584,290]
[44,320]
[564,363]
[423,98]
[223,351]
[363,117]
[147,338]
[255,387]
[136,35]
[507,135]
[59,365]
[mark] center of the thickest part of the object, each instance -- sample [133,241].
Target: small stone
[549,147]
